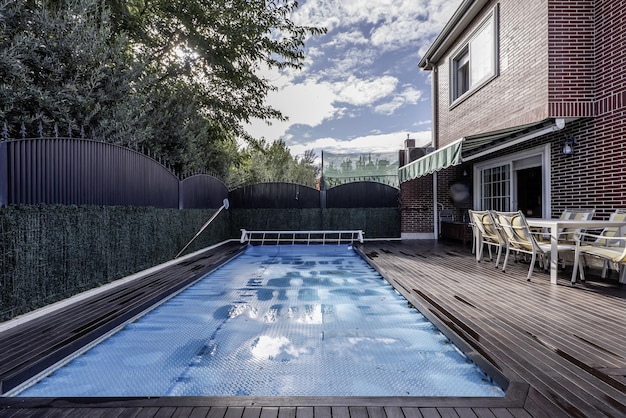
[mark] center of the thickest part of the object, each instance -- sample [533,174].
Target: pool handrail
[300,237]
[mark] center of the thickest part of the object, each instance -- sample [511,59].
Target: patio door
[529,191]
[516,182]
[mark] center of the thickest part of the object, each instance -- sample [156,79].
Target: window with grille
[496,188]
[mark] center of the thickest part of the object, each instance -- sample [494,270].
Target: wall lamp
[568,145]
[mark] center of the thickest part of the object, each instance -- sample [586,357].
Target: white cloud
[370,143]
[398,22]
[409,96]
[310,103]
[339,79]
[363,92]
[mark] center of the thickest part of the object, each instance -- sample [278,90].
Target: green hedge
[48,253]
[376,222]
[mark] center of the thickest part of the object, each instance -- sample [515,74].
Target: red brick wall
[571,57]
[416,205]
[594,175]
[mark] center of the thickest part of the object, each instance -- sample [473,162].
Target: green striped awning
[437,160]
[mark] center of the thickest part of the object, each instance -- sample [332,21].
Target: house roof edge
[463,15]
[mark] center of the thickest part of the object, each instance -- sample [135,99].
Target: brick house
[529,103]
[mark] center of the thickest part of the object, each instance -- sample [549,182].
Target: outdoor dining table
[554,225]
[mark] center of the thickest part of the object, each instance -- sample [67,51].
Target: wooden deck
[562,348]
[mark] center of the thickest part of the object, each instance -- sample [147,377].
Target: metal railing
[301,237]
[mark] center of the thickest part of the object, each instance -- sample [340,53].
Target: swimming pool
[278,320]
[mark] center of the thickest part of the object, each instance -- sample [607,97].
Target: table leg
[554,254]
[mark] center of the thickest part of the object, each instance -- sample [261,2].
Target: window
[495,187]
[475,63]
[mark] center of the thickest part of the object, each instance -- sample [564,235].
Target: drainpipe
[434,138]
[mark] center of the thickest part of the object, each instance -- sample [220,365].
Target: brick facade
[558,59]
[416,207]
[519,94]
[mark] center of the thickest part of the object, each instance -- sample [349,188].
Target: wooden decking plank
[305,412]
[430,412]
[115,413]
[448,413]
[490,413]
[234,412]
[251,412]
[376,412]
[410,412]
[445,291]
[340,412]
[519,413]
[465,412]
[322,412]
[200,412]
[148,412]
[165,412]
[358,412]
[394,412]
[217,412]
[266,412]
[287,412]
[566,366]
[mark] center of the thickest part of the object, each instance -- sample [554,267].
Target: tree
[178,77]
[263,162]
[63,65]
[218,47]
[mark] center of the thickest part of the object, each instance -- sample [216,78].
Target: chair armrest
[588,239]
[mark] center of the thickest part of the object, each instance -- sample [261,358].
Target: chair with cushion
[567,235]
[486,233]
[607,245]
[520,239]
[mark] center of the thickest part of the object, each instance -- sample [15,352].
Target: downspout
[435,138]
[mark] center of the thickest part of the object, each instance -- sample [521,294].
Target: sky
[360,89]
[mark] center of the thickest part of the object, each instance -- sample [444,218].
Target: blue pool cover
[278,320]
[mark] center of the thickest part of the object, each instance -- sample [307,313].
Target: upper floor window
[475,63]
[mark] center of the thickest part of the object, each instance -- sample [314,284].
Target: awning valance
[437,160]
[476,146]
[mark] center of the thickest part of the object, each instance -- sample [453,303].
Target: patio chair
[567,235]
[606,245]
[486,233]
[520,239]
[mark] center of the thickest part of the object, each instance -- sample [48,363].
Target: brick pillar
[416,208]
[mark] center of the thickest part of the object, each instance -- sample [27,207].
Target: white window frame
[542,152]
[461,63]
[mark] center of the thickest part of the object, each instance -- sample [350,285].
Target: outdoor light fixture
[568,146]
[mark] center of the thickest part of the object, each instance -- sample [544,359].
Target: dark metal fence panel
[274,196]
[4,175]
[202,191]
[85,172]
[363,194]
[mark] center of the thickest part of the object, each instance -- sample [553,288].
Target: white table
[554,225]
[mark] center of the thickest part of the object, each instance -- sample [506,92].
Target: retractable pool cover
[278,320]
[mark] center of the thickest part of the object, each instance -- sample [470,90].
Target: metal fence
[275,196]
[78,171]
